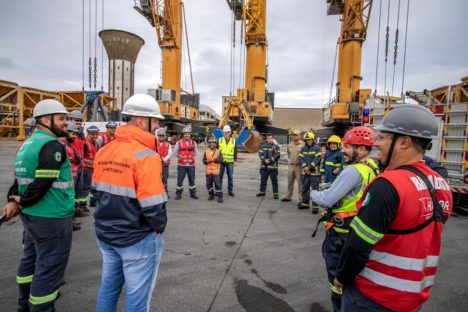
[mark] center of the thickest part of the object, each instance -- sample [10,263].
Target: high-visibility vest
[401,267]
[186,156]
[72,156]
[163,149]
[212,167]
[90,152]
[59,200]
[227,148]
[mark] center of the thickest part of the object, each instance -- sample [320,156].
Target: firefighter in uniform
[333,160]
[309,157]
[227,146]
[108,136]
[185,150]
[90,150]
[213,158]
[341,198]
[76,117]
[43,191]
[390,259]
[269,154]
[130,216]
[165,151]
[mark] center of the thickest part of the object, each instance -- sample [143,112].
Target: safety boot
[260,194]
[211,197]
[194,196]
[220,199]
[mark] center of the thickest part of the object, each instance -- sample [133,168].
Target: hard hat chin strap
[51,128]
[390,151]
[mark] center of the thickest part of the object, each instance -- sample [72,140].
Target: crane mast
[166,17]
[345,108]
[253,101]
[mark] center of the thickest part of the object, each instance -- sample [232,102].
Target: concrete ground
[247,254]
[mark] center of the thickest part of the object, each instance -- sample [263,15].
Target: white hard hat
[142,105]
[76,114]
[161,131]
[187,128]
[48,107]
[226,128]
[30,122]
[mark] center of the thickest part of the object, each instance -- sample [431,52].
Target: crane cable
[333,75]
[83,47]
[241,60]
[90,67]
[102,50]
[404,53]
[233,53]
[95,43]
[188,48]
[396,45]
[378,50]
[387,37]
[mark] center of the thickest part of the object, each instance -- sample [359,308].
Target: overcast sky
[41,46]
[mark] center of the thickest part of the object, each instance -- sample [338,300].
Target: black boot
[178,196]
[194,196]
[211,197]
[260,194]
[220,199]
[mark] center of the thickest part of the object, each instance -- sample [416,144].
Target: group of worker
[383,230]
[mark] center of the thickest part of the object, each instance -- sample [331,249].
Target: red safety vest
[90,152]
[71,153]
[78,144]
[105,137]
[186,157]
[163,150]
[401,267]
[211,166]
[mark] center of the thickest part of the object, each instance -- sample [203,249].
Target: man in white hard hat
[76,117]
[227,146]
[43,191]
[185,150]
[130,216]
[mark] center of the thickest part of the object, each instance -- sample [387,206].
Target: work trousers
[47,244]
[331,251]
[354,301]
[79,201]
[229,168]
[309,182]
[165,176]
[294,174]
[182,171]
[88,191]
[213,184]
[264,174]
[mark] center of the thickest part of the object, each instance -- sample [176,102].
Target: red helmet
[359,136]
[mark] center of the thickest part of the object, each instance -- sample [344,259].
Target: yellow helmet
[334,139]
[309,135]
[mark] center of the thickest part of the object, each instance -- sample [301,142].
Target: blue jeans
[229,167]
[136,266]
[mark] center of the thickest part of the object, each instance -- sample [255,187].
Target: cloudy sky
[41,46]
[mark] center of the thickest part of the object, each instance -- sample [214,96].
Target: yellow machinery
[344,110]
[166,16]
[252,107]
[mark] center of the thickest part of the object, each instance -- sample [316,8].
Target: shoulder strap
[438,213]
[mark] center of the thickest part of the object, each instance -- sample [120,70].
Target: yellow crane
[252,105]
[166,17]
[344,110]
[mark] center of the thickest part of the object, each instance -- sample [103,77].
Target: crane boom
[344,110]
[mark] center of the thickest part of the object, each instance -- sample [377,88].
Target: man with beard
[341,198]
[43,193]
[310,157]
[389,261]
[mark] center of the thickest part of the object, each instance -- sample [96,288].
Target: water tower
[122,50]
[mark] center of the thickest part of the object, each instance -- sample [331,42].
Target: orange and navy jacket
[131,196]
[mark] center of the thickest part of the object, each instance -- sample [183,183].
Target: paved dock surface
[246,254]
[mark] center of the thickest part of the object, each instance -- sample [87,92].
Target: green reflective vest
[227,148]
[59,200]
[368,172]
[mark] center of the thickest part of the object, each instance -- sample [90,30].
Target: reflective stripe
[153,200]
[179,187]
[365,232]
[44,173]
[404,263]
[334,289]
[24,279]
[144,153]
[24,181]
[43,299]
[329,163]
[115,189]
[397,283]
[340,230]
[192,187]
[62,185]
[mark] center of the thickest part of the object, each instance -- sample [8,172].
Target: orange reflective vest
[212,167]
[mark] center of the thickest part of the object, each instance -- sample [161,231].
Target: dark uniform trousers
[264,174]
[213,184]
[79,189]
[165,176]
[88,191]
[182,171]
[47,244]
[309,182]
